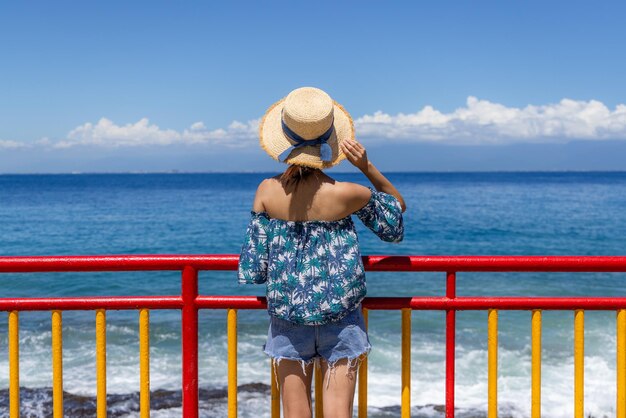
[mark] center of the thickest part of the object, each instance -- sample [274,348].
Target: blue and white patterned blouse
[313,269]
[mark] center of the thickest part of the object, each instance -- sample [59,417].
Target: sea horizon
[326,171]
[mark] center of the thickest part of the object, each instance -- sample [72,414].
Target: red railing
[189,301]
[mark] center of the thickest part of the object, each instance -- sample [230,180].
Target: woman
[302,243]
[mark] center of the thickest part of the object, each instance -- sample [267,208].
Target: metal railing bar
[101,364]
[14,365]
[258,302]
[579,358]
[90,303]
[57,364]
[535,384]
[620,325]
[231,336]
[151,262]
[362,379]
[189,333]
[275,393]
[144,363]
[405,403]
[492,363]
[319,396]
[450,342]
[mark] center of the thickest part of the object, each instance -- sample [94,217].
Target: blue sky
[85,85]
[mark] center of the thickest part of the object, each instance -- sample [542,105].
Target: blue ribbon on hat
[325,150]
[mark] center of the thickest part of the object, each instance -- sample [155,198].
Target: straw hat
[305,128]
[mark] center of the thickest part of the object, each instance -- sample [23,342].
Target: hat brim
[274,141]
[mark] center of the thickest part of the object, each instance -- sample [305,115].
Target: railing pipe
[190,341]
[231,336]
[91,303]
[274,393]
[621,363]
[57,364]
[450,343]
[139,262]
[258,302]
[492,363]
[362,410]
[579,369]
[101,364]
[14,365]
[405,411]
[536,364]
[144,363]
[318,390]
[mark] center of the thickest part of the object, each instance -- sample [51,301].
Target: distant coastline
[331,172]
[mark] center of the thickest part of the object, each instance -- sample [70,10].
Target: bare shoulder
[262,192]
[354,195]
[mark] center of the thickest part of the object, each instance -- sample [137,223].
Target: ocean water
[448,214]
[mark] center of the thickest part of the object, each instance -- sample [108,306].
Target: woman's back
[302,242]
[316,197]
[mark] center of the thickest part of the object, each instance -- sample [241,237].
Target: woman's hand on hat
[355,152]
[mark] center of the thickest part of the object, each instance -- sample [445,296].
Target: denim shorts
[344,339]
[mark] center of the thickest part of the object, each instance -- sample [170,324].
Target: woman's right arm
[356,154]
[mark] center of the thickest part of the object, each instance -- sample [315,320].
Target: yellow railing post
[14,365]
[363,377]
[535,403]
[579,355]
[101,364]
[319,397]
[405,408]
[57,364]
[275,392]
[144,363]
[232,362]
[492,350]
[621,364]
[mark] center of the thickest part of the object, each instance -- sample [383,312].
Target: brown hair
[294,174]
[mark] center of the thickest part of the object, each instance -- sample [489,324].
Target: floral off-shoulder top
[313,269]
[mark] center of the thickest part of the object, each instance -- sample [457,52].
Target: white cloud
[482,121]
[237,134]
[198,126]
[108,134]
[478,122]
[7,144]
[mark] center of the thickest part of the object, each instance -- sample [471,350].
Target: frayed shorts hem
[357,359]
[354,363]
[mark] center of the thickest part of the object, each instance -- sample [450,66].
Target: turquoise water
[448,214]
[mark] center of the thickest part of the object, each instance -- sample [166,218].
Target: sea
[490,213]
